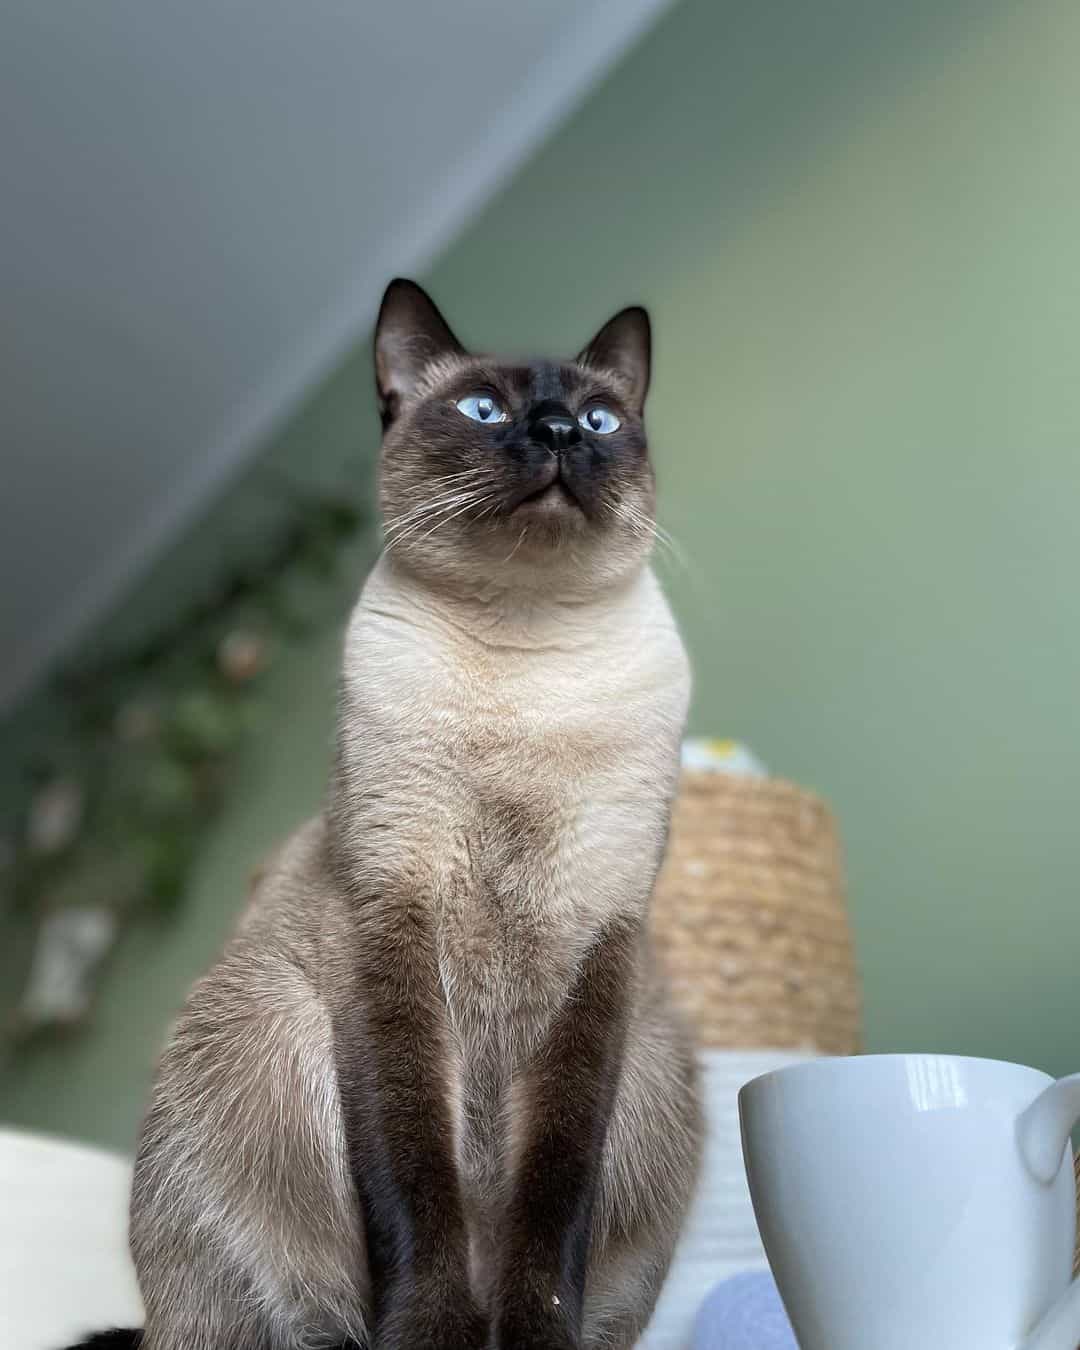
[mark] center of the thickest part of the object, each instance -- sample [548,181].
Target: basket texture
[750,920]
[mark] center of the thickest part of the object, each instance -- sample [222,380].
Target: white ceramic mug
[917,1202]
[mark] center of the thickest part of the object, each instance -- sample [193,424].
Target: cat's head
[528,472]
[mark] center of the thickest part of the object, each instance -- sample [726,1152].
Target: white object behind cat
[64,1264]
[720,1238]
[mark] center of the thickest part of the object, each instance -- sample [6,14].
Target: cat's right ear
[410,334]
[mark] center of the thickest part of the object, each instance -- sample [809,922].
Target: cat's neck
[499,614]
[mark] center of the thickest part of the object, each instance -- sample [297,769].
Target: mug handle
[1042,1133]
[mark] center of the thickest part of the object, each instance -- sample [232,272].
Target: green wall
[858,228]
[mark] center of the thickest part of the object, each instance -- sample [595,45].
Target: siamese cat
[433,1095]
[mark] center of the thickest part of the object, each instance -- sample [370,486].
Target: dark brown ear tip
[634,318]
[403,284]
[644,324]
[405,304]
[409,333]
[644,321]
[402,290]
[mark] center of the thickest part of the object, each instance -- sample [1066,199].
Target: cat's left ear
[410,334]
[624,346]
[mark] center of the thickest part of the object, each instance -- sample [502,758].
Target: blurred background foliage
[132,756]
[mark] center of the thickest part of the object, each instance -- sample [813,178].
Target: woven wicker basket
[749,916]
[750,920]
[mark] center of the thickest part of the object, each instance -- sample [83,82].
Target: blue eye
[482,408]
[599,419]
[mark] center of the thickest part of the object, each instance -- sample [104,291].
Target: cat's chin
[551,503]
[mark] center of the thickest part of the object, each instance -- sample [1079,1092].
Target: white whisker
[447,511]
[521,540]
[416,518]
[447,519]
[646,528]
[424,508]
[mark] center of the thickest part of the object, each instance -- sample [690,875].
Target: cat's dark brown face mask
[493,467]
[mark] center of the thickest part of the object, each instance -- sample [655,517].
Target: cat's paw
[432,1317]
[533,1324]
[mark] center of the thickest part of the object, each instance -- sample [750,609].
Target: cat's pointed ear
[624,346]
[410,334]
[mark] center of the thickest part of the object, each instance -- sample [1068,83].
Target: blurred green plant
[113,810]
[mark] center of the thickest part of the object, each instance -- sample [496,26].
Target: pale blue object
[744,1313]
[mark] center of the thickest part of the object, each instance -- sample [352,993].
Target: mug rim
[833,1062]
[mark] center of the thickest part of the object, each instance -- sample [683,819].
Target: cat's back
[290,905]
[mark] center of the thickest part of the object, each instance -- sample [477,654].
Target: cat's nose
[558,431]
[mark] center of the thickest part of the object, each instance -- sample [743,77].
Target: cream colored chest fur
[524,787]
[527,783]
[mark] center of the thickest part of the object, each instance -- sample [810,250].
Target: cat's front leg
[393,1065]
[561,1110]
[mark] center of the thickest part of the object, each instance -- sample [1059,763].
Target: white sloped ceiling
[199,203]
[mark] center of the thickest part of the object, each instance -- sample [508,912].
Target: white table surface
[64,1264]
